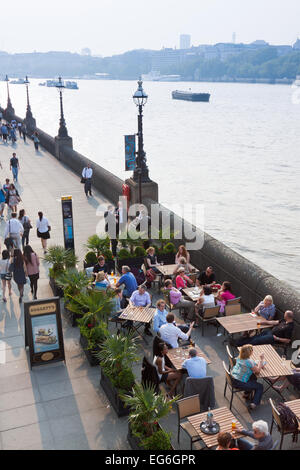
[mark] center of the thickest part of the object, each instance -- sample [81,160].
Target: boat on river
[190,96]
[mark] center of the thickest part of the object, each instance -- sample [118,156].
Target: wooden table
[223,417]
[294,405]
[168,269]
[190,292]
[138,315]
[178,355]
[275,366]
[240,323]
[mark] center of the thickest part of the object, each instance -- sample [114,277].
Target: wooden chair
[158,278]
[188,407]
[233,309]
[276,419]
[231,358]
[235,301]
[229,384]
[209,314]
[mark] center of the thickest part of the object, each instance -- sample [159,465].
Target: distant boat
[155,76]
[190,96]
[54,83]
[20,81]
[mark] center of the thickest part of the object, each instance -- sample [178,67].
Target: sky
[111,27]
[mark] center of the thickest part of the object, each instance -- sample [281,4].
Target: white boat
[155,76]
[19,81]
[54,83]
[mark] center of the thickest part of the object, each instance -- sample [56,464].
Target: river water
[237,155]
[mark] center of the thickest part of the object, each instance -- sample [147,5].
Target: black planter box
[131,262]
[93,361]
[73,316]
[113,396]
[166,258]
[57,291]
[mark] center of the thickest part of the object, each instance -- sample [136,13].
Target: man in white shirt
[170,333]
[14,229]
[87,174]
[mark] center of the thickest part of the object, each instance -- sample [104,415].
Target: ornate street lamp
[9,109]
[30,121]
[141,173]
[62,132]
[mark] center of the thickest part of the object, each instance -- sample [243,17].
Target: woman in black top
[152,259]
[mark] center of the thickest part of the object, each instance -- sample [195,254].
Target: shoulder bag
[8,240]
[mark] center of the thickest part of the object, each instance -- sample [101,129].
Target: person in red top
[182,280]
[224,441]
[224,295]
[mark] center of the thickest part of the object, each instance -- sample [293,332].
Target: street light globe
[140,97]
[60,85]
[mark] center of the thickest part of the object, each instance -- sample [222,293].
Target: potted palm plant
[94,308]
[99,245]
[116,356]
[147,408]
[72,282]
[60,260]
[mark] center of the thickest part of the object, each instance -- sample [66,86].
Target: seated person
[182,280]
[141,298]
[182,253]
[281,332]
[224,295]
[260,433]
[101,265]
[165,374]
[151,260]
[195,365]
[101,282]
[170,333]
[225,441]
[129,282]
[206,300]
[182,263]
[160,317]
[116,309]
[266,308]
[207,277]
[176,299]
[244,375]
[289,379]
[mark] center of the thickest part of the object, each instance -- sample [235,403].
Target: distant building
[185,41]
[86,51]
[297,44]
[259,42]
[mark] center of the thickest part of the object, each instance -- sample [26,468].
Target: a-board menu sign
[67,214]
[43,331]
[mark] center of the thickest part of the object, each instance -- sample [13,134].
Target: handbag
[27,225]
[8,240]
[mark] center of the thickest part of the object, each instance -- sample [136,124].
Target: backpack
[150,275]
[288,419]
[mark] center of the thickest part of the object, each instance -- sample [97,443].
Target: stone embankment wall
[248,280]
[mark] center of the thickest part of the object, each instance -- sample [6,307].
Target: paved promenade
[62,406]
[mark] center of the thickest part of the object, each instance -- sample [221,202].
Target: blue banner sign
[130,153]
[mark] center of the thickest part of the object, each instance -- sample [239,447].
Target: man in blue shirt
[129,282]
[195,365]
[141,298]
[2,202]
[160,317]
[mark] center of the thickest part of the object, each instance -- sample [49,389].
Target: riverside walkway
[62,406]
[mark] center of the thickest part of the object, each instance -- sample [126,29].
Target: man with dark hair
[195,365]
[170,333]
[207,277]
[14,166]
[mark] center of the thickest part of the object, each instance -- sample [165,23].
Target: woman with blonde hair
[244,375]
[151,259]
[182,252]
[183,264]
[266,308]
[101,281]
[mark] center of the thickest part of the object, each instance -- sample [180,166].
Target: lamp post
[9,109]
[141,173]
[62,132]
[30,121]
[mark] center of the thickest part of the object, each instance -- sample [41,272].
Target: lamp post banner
[130,153]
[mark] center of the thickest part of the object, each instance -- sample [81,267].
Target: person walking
[32,264]
[24,131]
[4,132]
[14,231]
[14,166]
[87,174]
[27,226]
[20,129]
[5,274]
[12,135]
[43,229]
[36,140]
[2,202]
[19,272]
[13,198]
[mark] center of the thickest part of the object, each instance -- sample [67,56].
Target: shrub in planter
[124,254]
[92,336]
[98,244]
[90,259]
[94,305]
[169,248]
[60,259]
[72,282]
[140,252]
[146,409]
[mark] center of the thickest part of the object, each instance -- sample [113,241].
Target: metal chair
[209,314]
[233,309]
[229,383]
[187,407]
[231,358]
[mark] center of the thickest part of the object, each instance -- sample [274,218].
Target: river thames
[237,155]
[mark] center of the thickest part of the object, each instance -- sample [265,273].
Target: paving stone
[23,416]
